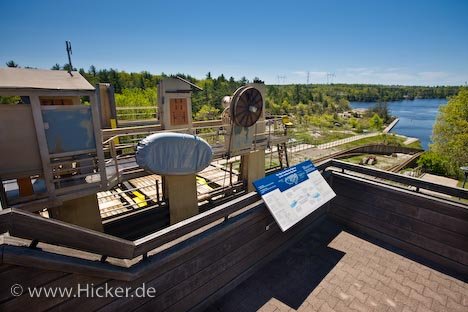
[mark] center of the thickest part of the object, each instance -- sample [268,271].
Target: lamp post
[465,171]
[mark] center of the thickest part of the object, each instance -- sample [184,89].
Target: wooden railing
[31,226]
[120,144]
[418,184]
[24,224]
[27,225]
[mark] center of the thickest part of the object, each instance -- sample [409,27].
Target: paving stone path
[333,270]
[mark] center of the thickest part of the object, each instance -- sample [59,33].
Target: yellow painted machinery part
[286,121]
[202,181]
[139,199]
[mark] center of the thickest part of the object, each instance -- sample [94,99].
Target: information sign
[294,193]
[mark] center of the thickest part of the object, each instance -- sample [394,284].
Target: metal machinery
[242,111]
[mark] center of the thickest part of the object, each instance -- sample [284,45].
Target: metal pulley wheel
[246,106]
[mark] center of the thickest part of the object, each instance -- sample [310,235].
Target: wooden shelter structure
[50,139]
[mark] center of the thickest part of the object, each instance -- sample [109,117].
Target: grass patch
[378,139]
[416,144]
[460,183]
[354,159]
[325,136]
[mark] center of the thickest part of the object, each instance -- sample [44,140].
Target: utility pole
[308,76]
[69,53]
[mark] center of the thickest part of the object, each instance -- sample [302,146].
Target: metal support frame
[42,143]
[98,139]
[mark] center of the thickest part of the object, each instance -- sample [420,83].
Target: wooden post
[106,105]
[253,167]
[181,193]
[82,211]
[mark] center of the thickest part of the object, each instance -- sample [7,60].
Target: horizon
[324,42]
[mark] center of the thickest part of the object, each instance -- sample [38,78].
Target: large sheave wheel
[246,106]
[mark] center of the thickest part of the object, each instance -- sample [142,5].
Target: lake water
[417,117]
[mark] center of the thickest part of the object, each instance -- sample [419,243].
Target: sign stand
[294,193]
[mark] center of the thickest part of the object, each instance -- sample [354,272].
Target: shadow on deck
[337,269]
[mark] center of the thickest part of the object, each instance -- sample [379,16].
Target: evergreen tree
[11,64]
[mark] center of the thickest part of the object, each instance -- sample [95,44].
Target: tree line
[280,99]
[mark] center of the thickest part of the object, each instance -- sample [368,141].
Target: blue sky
[387,42]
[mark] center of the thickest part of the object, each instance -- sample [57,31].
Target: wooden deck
[194,263]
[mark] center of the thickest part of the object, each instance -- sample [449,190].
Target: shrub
[433,163]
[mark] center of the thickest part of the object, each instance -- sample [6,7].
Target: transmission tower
[281,79]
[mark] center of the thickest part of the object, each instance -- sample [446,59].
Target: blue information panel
[294,193]
[69,129]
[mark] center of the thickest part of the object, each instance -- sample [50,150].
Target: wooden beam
[104,105]
[38,204]
[39,259]
[417,205]
[395,177]
[175,231]
[444,205]
[30,226]
[43,92]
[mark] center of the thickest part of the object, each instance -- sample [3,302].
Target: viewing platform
[381,244]
[171,207]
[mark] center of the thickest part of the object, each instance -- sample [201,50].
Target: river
[417,117]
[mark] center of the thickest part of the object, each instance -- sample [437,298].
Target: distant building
[356,113]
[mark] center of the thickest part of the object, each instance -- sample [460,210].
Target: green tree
[207,112]
[92,70]
[376,122]
[11,64]
[433,163]
[450,132]
[67,67]
[136,103]
[381,109]
[56,67]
